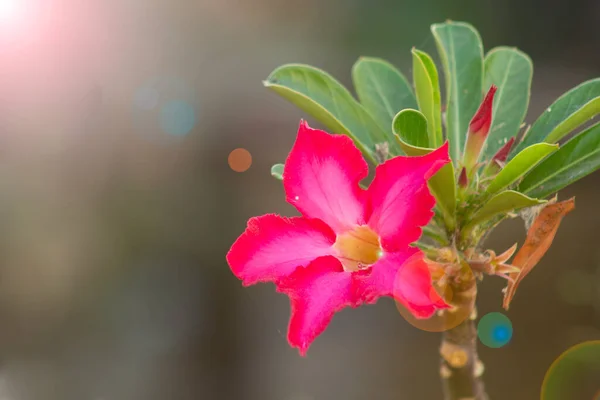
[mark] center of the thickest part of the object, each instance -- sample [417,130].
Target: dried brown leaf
[504,257]
[538,241]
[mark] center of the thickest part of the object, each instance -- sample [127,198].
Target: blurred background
[118,205]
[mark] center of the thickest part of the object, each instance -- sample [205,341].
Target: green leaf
[427,86]
[520,165]
[510,70]
[577,158]
[277,171]
[321,96]
[382,90]
[461,52]
[436,234]
[501,203]
[588,111]
[411,127]
[569,111]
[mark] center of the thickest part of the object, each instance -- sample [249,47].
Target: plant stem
[461,368]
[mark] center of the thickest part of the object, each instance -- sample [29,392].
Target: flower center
[358,248]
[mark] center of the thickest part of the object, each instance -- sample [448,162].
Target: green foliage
[277,171]
[520,165]
[410,128]
[568,112]
[500,204]
[382,90]
[413,123]
[324,98]
[511,71]
[427,86]
[579,157]
[461,52]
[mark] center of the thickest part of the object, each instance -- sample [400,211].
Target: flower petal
[398,200]
[413,288]
[377,281]
[316,293]
[272,247]
[321,177]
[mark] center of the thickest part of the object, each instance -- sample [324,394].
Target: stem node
[461,370]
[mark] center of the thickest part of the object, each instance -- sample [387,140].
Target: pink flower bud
[502,154]
[482,120]
[478,130]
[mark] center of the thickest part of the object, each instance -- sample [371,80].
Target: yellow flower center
[358,248]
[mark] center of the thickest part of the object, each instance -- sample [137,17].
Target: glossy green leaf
[569,111]
[382,90]
[427,87]
[320,95]
[511,71]
[520,165]
[577,158]
[501,203]
[411,126]
[461,52]
[277,171]
[588,111]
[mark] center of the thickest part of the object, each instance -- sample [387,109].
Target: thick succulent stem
[461,370]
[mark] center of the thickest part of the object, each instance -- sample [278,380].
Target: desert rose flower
[351,245]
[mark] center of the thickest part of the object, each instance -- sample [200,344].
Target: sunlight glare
[9,11]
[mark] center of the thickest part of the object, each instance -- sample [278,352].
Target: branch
[461,369]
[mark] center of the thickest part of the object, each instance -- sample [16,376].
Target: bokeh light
[164,108]
[177,117]
[575,374]
[443,320]
[240,160]
[146,98]
[494,330]
[10,10]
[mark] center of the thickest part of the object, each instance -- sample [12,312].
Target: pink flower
[350,246]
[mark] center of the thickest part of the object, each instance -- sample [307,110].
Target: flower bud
[502,154]
[463,179]
[497,162]
[479,128]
